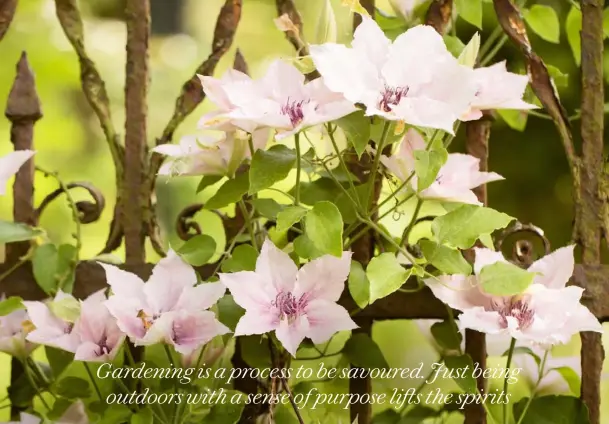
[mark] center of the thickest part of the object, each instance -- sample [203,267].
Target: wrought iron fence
[134,217]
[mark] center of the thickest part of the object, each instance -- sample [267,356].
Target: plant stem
[28,374]
[413,221]
[176,386]
[17,264]
[86,364]
[291,396]
[505,381]
[342,163]
[375,164]
[248,222]
[298,166]
[542,367]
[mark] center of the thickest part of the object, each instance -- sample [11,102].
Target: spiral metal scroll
[88,211]
[523,250]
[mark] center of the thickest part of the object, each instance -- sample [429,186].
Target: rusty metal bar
[7,12]
[439,15]
[136,90]
[590,206]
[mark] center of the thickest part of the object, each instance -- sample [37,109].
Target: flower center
[516,308]
[289,307]
[293,110]
[146,319]
[391,97]
[104,349]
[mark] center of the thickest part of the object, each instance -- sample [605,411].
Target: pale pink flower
[98,334]
[284,101]
[497,89]
[214,90]
[455,180]
[414,79]
[546,313]
[169,308]
[209,155]
[294,303]
[10,164]
[75,414]
[13,333]
[51,330]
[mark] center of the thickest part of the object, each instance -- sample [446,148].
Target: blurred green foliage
[537,188]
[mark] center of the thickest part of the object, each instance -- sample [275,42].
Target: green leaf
[325,31]
[317,191]
[516,119]
[230,192]
[571,377]
[13,303]
[560,79]
[606,22]
[229,312]
[419,414]
[464,377]
[242,258]
[66,267]
[73,388]
[304,248]
[229,412]
[67,308]
[444,258]
[388,416]
[143,416]
[447,335]
[59,360]
[463,226]
[454,45]
[11,232]
[206,181]
[504,279]
[573,26]
[359,286]
[324,227]
[470,11]
[44,267]
[198,249]
[270,166]
[345,204]
[427,165]
[255,351]
[543,20]
[363,352]
[356,127]
[290,216]
[468,56]
[268,208]
[553,410]
[386,276]
[523,350]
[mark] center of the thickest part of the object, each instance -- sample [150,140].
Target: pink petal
[169,279]
[123,283]
[554,269]
[258,322]
[125,310]
[200,297]
[192,330]
[323,278]
[458,291]
[486,257]
[283,81]
[425,112]
[447,193]
[75,414]
[291,334]
[10,164]
[370,42]
[249,290]
[88,352]
[481,320]
[276,267]
[326,319]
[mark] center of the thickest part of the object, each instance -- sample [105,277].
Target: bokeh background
[537,188]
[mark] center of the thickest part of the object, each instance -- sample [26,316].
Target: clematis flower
[50,329]
[10,164]
[284,101]
[455,180]
[294,303]
[13,333]
[414,79]
[546,313]
[497,89]
[98,334]
[168,308]
[208,155]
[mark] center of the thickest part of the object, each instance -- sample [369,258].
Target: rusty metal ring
[88,211]
[186,226]
[522,252]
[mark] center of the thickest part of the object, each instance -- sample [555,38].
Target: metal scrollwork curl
[523,249]
[88,211]
[186,226]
